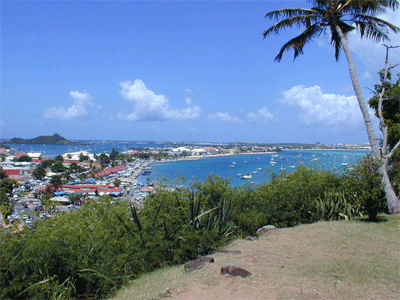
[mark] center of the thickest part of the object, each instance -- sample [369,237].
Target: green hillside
[54,139]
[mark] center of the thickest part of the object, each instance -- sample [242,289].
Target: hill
[54,139]
[325,260]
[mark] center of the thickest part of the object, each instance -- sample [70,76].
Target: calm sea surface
[226,166]
[258,166]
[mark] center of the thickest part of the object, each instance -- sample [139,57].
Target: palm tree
[340,18]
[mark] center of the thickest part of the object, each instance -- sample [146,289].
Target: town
[36,187]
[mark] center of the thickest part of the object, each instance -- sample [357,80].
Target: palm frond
[289,22]
[299,41]
[287,13]
[335,41]
[373,27]
[335,38]
[364,7]
[392,4]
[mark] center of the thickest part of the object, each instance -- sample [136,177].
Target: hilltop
[54,139]
[325,260]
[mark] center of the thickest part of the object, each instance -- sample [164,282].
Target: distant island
[54,139]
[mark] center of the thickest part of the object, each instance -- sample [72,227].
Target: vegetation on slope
[54,139]
[93,251]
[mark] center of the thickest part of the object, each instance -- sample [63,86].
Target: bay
[222,166]
[256,165]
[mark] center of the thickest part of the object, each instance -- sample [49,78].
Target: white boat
[344,164]
[247,176]
[259,169]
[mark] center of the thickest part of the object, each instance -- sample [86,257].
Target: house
[199,151]
[14,172]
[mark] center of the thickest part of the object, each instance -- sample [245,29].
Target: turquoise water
[198,170]
[231,166]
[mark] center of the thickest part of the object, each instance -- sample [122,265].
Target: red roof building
[13,172]
[109,171]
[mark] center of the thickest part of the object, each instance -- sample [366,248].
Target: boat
[247,176]
[255,172]
[239,174]
[259,169]
[344,164]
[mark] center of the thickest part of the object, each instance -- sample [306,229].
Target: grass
[325,260]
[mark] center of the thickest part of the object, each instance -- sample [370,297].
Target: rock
[234,270]
[265,229]
[227,251]
[198,263]
[250,238]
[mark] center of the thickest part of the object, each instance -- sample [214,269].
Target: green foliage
[83,157]
[23,158]
[117,182]
[56,182]
[39,172]
[104,159]
[114,154]
[365,183]
[8,184]
[390,106]
[2,174]
[57,166]
[337,204]
[90,252]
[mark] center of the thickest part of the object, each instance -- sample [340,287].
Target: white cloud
[78,110]
[223,117]
[188,100]
[261,115]
[317,108]
[188,91]
[148,106]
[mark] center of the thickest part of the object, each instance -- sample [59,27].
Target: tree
[2,174]
[386,103]
[56,182]
[59,158]
[24,158]
[39,172]
[114,154]
[340,17]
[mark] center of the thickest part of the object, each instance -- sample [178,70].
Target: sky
[196,71]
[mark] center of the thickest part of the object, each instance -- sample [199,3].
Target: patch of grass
[325,260]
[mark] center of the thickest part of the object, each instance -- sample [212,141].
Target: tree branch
[389,156]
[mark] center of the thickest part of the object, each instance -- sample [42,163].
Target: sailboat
[344,163]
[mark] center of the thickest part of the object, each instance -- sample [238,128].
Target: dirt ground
[325,260]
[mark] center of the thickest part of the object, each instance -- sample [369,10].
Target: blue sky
[175,71]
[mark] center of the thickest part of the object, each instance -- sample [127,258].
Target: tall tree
[387,108]
[340,18]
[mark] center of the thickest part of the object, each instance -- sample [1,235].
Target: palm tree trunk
[392,200]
